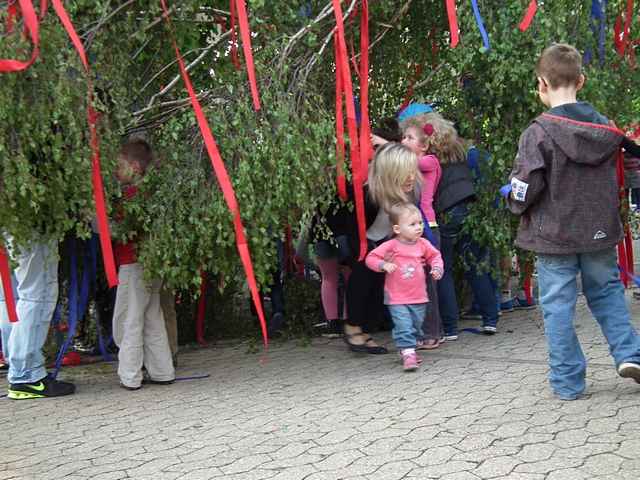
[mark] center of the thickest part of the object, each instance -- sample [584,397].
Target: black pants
[365,297]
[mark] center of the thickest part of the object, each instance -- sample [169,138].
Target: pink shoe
[410,362]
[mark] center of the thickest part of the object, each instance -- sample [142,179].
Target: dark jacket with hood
[564,182]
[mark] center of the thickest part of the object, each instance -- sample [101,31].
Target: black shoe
[363,347]
[150,381]
[43,388]
[4,367]
[275,324]
[331,328]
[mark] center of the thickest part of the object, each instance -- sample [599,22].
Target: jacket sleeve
[528,175]
[376,257]
[432,256]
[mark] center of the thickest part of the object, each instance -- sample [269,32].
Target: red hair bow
[428,129]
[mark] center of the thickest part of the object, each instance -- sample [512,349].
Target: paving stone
[480,408]
[496,467]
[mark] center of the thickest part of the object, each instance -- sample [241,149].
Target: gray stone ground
[479,408]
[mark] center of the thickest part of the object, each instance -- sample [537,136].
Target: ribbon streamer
[342,69]
[366,149]
[12,13]
[245,33]
[528,16]
[453,22]
[7,288]
[223,179]
[92,117]
[32,28]
[483,32]
[340,148]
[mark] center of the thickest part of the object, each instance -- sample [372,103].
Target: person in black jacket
[393,178]
[455,194]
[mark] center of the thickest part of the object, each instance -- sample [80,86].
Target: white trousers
[139,329]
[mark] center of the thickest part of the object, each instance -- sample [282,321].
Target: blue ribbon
[598,8]
[78,297]
[505,190]
[73,307]
[483,32]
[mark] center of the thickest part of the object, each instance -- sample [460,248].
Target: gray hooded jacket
[564,183]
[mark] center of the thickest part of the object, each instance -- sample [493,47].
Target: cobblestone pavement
[479,408]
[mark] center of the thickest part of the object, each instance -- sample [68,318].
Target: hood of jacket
[581,133]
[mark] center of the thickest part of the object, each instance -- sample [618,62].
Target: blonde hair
[444,142]
[399,209]
[391,167]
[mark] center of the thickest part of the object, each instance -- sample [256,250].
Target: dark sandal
[364,348]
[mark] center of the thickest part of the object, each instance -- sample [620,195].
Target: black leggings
[365,297]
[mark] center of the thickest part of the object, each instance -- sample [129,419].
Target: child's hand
[389,267]
[436,273]
[377,141]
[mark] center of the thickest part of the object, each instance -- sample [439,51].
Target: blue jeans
[605,296]
[407,324]
[37,293]
[453,241]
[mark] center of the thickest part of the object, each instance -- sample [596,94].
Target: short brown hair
[138,151]
[560,65]
[399,209]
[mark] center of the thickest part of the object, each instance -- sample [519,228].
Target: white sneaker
[629,370]
[450,338]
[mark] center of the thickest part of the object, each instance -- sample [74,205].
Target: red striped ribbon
[32,28]
[528,16]
[223,180]
[7,288]
[92,118]
[453,22]
[342,69]
[341,182]
[248,54]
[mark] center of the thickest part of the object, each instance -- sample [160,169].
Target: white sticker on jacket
[519,189]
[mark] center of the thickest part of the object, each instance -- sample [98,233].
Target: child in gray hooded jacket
[564,187]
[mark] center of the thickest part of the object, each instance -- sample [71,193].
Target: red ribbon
[234,39]
[622,251]
[223,180]
[248,54]
[340,149]
[342,69]
[92,118]
[5,275]
[12,13]
[620,33]
[202,307]
[528,16]
[453,22]
[366,149]
[32,28]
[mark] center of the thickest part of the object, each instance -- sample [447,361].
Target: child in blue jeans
[564,187]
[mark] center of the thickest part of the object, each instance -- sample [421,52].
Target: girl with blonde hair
[455,194]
